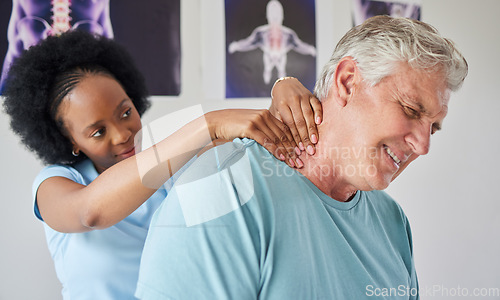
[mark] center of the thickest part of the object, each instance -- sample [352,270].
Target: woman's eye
[98,133]
[127,113]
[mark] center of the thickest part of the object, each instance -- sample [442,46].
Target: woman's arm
[300,110]
[67,206]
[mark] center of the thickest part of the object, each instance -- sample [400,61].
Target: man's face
[390,125]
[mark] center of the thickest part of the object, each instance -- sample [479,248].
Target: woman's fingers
[318,110]
[299,110]
[307,127]
[277,138]
[288,119]
[312,114]
[285,136]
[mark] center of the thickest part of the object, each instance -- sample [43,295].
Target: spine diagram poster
[266,40]
[149,30]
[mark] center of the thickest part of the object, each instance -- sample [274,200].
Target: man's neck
[326,175]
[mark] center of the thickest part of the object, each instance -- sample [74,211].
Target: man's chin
[379,182]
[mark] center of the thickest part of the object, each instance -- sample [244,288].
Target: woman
[76,101]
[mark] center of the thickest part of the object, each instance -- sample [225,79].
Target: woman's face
[101,120]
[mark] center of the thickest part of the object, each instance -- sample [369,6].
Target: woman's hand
[257,124]
[300,110]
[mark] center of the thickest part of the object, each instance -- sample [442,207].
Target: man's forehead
[430,96]
[427,105]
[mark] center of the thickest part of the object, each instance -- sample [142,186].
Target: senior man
[240,224]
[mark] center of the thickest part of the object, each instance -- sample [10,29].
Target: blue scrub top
[100,264]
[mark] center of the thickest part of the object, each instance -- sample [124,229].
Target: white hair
[382,42]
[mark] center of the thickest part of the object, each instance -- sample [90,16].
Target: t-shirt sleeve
[52,171]
[204,240]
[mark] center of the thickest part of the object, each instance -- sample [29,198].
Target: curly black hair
[44,74]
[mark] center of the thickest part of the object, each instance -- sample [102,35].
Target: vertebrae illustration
[60,16]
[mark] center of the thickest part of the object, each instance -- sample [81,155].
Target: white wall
[447,195]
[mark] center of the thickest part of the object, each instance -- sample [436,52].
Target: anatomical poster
[150,30]
[266,40]
[364,9]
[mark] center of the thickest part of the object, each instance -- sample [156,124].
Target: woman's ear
[344,79]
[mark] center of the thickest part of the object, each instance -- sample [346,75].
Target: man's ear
[344,79]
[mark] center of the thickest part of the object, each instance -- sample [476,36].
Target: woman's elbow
[93,218]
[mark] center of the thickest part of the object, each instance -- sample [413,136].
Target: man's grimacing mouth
[392,155]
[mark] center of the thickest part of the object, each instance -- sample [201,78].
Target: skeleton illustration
[34,20]
[275,40]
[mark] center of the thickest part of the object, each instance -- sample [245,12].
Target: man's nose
[420,138]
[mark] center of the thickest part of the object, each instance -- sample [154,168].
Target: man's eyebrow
[421,107]
[402,97]
[413,101]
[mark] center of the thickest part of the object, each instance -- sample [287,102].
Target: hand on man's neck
[324,172]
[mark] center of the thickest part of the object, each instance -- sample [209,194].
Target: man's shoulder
[220,181]
[234,155]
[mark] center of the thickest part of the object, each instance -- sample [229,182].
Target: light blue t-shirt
[239,224]
[100,264]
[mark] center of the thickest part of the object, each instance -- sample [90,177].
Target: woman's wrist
[278,81]
[211,121]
